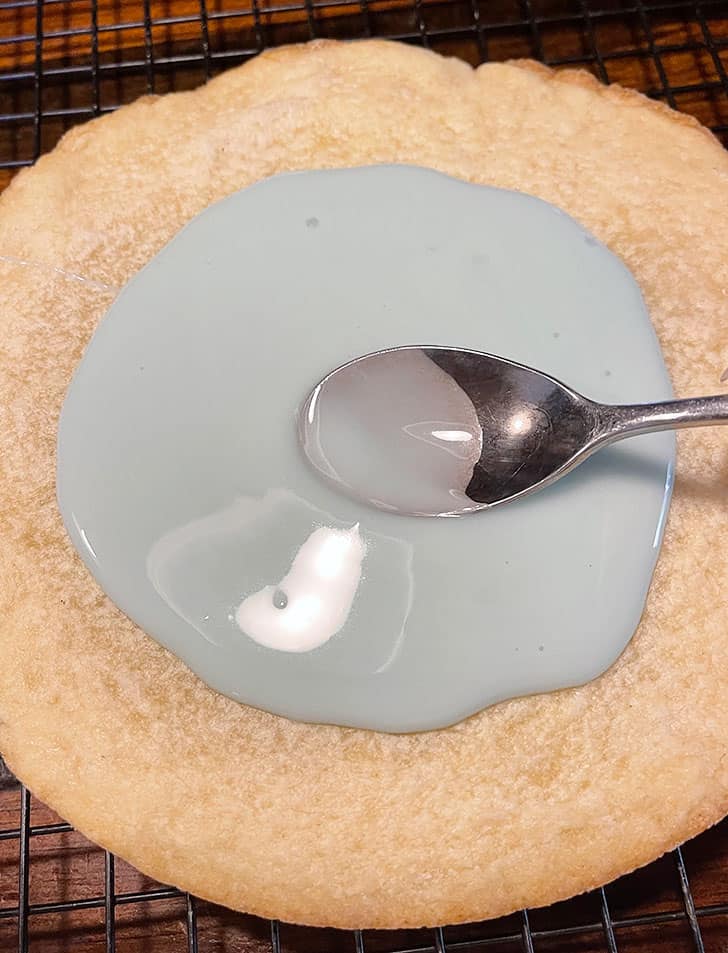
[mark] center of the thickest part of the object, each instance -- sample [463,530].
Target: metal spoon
[437,431]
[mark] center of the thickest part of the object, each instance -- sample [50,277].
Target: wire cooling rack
[65,61]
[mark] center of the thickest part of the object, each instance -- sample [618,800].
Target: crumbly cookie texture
[526,803]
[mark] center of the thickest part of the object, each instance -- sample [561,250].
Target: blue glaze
[184,489]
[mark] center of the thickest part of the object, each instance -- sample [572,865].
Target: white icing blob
[313,600]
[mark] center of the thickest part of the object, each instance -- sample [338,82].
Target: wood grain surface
[133,46]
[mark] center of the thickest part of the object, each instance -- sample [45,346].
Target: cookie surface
[332,826]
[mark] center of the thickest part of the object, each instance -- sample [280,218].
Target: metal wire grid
[606,933]
[63,61]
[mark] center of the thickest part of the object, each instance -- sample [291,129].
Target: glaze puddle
[183,485]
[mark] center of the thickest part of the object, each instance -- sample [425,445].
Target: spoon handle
[625,420]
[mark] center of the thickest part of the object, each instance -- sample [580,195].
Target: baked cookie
[526,803]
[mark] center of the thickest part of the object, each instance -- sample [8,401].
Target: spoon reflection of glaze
[396,430]
[313,600]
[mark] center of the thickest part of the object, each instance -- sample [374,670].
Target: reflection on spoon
[313,600]
[396,430]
